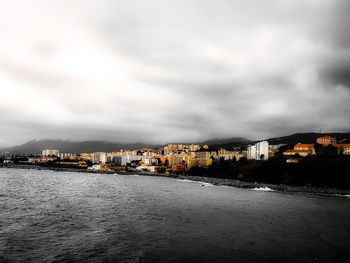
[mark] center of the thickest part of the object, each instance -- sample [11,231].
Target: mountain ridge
[67,146]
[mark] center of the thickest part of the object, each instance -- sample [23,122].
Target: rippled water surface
[48,216]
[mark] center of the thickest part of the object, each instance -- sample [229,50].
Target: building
[251,152]
[181,158]
[325,140]
[305,147]
[50,152]
[302,153]
[202,159]
[343,148]
[193,148]
[259,151]
[301,149]
[99,157]
[273,149]
[124,160]
[86,156]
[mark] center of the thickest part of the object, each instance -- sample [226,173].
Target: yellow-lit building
[193,148]
[181,158]
[325,140]
[172,147]
[302,153]
[202,159]
[305,147]
[202,162]
[343,147]
[301,149]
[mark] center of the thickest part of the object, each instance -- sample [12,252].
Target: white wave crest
[206,184]
[268,189]
[198,182]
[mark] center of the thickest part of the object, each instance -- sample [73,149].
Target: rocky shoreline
[210,180]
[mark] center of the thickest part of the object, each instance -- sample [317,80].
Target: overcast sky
[161,71]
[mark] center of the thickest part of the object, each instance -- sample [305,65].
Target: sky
[165,71]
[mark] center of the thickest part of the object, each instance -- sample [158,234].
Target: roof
[297,151]
[325,137]
[304,145]
[342,145]
[179,164]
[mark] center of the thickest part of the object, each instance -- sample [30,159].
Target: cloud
[163,71]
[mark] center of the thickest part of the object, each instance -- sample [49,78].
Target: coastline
[210,180]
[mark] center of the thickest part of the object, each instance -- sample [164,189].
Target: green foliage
[328,170]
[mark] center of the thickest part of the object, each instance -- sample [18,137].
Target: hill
[289,139]
[227,143]
[306,138]
[36,147]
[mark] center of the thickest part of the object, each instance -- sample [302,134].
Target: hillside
[306,137]
[290,139]
[36,147]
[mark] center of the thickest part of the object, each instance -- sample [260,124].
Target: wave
[268,189]
[198,182]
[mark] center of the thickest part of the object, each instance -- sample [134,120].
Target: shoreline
[325,191]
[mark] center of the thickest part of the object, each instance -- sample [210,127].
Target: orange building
[303,149]
[325,140]
[302,153]
[343,148]
[179,168]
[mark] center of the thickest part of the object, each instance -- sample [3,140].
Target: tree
[166,163]
[318,149]
[330,150]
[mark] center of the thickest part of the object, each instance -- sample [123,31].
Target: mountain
[218,141]
[36,147]
[227,143]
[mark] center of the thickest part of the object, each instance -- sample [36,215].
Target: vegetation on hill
[321,171]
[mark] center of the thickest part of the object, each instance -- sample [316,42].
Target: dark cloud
[336,74]
[173,70]
[339,25]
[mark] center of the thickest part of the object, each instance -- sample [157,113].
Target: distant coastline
[210,180]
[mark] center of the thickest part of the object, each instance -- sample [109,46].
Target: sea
[50,216]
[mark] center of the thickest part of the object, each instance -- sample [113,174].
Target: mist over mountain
[36,147]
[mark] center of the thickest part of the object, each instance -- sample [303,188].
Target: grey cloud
[41,78]
[24,130]
[229,68]
[338,74]
[339,25]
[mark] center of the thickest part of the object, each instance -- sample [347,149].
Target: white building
[100,157]
[251,152]
[95,167]
[50,152]
[259,151]
[126,159]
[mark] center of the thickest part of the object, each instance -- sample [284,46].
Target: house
[325,140]
[302,153]
[301,149]
[343,148]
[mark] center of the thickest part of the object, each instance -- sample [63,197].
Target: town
[177,158]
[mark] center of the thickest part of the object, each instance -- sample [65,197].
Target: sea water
[49,216]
